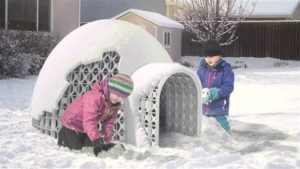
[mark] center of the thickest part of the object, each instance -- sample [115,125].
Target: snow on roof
[87,44]
[153,17]
[274,8]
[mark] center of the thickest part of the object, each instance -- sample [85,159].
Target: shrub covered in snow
[24,52]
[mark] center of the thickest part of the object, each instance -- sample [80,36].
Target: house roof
[153,17]
[275,8]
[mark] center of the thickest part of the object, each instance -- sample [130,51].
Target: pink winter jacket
[84,113]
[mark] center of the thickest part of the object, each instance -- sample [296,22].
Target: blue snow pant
[223,122]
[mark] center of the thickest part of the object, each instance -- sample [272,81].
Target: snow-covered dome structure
[102,49]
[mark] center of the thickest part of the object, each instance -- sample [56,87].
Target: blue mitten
[213,94]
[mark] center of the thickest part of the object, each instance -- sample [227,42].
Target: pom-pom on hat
[211,48]
[121,85]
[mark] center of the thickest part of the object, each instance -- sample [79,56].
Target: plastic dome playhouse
[165,96]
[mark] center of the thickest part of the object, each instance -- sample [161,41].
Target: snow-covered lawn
[264,116]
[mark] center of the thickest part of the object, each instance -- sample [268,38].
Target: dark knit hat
[211,48]
[121,85]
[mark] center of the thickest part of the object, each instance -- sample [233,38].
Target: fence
[277,39]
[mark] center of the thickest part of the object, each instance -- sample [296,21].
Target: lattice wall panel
[81,80]
[149,115]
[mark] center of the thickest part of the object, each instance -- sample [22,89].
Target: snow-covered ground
[264,116]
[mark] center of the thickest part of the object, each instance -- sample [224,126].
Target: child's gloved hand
[98,146]
[108,146]
[209,95]
[205,96]
[213,94]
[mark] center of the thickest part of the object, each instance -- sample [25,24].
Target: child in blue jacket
[217,80]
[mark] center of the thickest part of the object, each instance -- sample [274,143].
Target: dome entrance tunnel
[178,106]
[172,106]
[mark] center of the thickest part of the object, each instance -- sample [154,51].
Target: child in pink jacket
[100,104]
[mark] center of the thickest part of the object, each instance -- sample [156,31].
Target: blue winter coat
[220,76]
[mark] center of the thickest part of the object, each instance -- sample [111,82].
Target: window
[2,14]
[167,39]
[22,14]
[44,15]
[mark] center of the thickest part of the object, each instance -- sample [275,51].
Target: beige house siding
[66,16]
[137,20]
[176,40]
[174,49]
[171,8]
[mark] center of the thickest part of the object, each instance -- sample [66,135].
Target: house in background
[171,9]
[167,31]
[92,10]
[63,16]
[59,16]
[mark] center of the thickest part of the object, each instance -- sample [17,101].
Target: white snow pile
[264,117]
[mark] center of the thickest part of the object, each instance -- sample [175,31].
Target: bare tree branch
[213,19]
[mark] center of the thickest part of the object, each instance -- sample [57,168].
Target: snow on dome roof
[156,72]
[87,44]
[153,17]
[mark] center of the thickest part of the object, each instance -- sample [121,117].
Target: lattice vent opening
[81,80]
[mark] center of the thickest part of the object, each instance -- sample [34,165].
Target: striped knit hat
[121,85]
